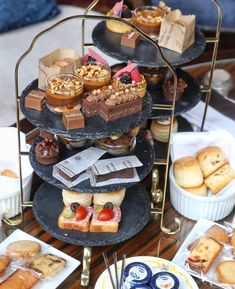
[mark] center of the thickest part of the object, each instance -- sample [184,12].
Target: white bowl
[9,187]
[194,207]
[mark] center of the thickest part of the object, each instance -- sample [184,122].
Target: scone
[23,249]
[160,128]
[225,272]
[70,197]
[198,191]
[115,198]
[187,172]
[218,234]
[48,265]
[220,178]
[210,159]
[4,263]
[203,254]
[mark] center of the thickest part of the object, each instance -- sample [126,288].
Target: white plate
[200,227]
[156,264]
[54,282]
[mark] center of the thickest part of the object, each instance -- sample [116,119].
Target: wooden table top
[144,243]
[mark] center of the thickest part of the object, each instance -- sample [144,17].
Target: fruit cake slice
[105,219]
[75,217]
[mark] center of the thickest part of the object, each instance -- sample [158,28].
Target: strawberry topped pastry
[130,78]
[75,217]
[119,10]
[105,218]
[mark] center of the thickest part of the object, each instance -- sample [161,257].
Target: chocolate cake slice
[121,104]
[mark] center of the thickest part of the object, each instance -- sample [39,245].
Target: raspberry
[135,75]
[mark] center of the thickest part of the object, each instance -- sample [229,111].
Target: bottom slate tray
[48,204]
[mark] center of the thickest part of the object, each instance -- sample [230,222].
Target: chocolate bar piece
[122,174]
[130,39]
[120,105]
[35,100]
[73,119]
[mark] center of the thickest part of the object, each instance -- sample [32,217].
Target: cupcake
[130,78]
[119,11]
[160,128]
[47,152]
[168,88]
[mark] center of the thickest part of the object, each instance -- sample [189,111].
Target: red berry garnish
[136,76]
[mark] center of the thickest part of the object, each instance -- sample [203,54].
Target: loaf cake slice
[105,226]
[203,254]
[72,223]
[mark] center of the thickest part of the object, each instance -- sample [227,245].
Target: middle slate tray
[135,208]
[142,150]
[96,127]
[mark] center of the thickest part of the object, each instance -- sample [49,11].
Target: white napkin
[214,119]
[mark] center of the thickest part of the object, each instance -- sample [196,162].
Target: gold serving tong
[119,282]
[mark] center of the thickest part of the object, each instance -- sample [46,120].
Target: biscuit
[198,191]
[218,234]
[210,159]
[4,263]
[225,272]
[48,265]
[23,249]
[220,178]
[187,172]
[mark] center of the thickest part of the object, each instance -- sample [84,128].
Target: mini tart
[95,75]
[140,87]
[116,26]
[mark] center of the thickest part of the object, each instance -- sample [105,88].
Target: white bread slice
[23,249]
[48,265]
[72,224]
[225,272]
[105,226]
[203,254]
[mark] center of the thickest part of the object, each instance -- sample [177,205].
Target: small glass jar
[148,19]
[94,74]
[73,143]
[154,75]
[63,92]
[117,145]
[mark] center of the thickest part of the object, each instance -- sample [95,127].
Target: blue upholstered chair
[18,13]
[206,12]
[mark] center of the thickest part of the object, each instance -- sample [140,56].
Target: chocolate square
[130,39]
[35,100]
[73,119]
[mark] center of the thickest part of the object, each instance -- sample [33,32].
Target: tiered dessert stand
[136,207]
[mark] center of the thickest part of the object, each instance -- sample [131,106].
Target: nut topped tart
[63,92]
[148,19]
[130,78]
[94,74]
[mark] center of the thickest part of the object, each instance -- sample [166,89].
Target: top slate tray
[96,127]
[145,54]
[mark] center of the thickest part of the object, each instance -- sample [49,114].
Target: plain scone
[48,265]
[203,254]
[220,178]
[225,272]
[199,191]
[115,198]
[23,249]
[187,172]
[210,159]
[20,279]
[82,199]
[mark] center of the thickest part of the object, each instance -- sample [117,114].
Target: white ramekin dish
[9,187]
[213,208]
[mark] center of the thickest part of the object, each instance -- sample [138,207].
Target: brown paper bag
[61,60]
[177,31]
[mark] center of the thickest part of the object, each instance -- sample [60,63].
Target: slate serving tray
[144,54]
[48,204]
[96,127]
[143,151]
[191,96]
[160,148]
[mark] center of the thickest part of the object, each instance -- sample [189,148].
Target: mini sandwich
[75,217]
[105,218]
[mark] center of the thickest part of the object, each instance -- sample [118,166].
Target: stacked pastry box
[26,262]
[208,253]
[202,175]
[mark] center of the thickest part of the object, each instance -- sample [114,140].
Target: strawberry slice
[136,76]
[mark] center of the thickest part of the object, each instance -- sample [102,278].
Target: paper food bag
[177,31]
[58,61]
